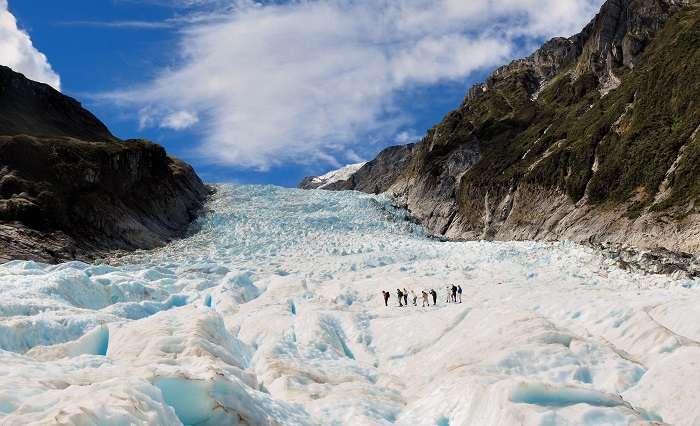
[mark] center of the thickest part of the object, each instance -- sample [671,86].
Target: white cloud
[407,136]
[306,81]
[179,120]
[18,53]
[180,3]
[141,25]
[353,157]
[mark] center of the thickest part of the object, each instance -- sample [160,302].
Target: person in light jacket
[426,301]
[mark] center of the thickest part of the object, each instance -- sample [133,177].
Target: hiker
[415,298]
[448,293]
[386,297]
[405,296]
[425,298]
[454,293]
[459,291]
[434,294]
[398,292]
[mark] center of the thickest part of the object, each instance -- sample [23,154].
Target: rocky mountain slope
[69,189]
[593,138]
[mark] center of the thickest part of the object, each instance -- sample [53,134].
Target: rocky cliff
[375,176]
[69,189]
[592,138]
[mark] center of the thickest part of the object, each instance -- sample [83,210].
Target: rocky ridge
[69,189]
[593,139]
[329,180]
[375,176]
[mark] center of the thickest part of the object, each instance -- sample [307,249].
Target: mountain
[591,138]
[328,180]
[69,189]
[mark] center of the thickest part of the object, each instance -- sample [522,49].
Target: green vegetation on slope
[613,148]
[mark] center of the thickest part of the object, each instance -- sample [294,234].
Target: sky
[272,91]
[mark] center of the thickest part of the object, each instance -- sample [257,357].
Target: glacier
[271,313]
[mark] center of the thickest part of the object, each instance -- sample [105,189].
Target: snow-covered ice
[340,174]
[272,313]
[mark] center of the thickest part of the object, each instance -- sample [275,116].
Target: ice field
[272,313]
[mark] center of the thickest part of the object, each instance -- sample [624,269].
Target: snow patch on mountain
[339,175]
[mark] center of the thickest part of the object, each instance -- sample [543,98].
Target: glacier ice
[271,312]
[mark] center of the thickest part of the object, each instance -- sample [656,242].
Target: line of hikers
[453,293]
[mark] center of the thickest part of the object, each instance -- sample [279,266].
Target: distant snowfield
[272,313]
[341,174]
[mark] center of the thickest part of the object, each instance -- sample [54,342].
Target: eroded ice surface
[272,313]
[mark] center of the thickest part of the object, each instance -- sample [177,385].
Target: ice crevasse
[271,312]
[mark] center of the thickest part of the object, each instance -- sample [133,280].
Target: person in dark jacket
[386,297]
[405,296]
[459,291]
[454,293]
[434,294]
[398,292]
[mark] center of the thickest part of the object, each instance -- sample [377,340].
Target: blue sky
[273,91]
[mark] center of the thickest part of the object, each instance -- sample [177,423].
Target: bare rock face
[376,176]
[541,67]
[69,189]
[616,37]
[31,108]
[310,182]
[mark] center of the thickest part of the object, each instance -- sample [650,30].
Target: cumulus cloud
[179,120]
[19,54]
[312,81]
[407,136]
